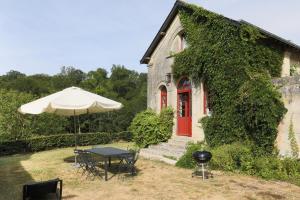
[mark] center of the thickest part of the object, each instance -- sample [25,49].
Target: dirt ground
[155,180]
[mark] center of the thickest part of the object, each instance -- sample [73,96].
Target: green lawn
[155,180]
[19,169]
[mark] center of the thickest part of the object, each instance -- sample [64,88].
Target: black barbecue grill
[202,158]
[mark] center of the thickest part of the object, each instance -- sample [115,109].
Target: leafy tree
[123,85]
[12,124]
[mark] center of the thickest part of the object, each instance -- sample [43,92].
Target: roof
[180,4]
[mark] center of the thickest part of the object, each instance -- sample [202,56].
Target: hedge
[241,158]
[57,141]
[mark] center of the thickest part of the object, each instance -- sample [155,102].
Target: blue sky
[42,36]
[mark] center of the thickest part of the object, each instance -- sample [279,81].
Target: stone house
[188,100]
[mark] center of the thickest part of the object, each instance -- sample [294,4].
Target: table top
[108,151]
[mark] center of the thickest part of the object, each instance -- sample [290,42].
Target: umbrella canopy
[70,102]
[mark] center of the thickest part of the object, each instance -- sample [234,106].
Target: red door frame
[184,124]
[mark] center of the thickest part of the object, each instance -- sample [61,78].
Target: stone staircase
[168,152]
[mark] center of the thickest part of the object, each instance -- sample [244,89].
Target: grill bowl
[202,156]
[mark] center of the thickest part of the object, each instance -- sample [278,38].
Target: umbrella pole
[75,138]
[78,121]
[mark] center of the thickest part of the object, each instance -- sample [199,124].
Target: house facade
[188,100]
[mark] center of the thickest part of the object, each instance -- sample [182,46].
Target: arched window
[163,97]
[206,110]
[184,84]
[183,42]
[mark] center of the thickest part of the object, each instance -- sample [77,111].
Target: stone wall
[290,90]
[291,58]
[161,62]
[159,65]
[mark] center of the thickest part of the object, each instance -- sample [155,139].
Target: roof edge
[180,4]
[146,57]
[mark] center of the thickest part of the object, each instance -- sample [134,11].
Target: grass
[155,180]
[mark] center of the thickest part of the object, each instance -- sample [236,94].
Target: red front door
[184,117]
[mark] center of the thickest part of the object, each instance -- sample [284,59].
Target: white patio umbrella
[71,101]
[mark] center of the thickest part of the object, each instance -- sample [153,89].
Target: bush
[166,117]
[149,128]
[187,161]
[238,157]
[232,157]
[227,157]
[57,141]
[13,147]
[269,168]
[125,136]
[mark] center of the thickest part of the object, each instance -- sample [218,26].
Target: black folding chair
[90,164]
[43,190]
[128,162]
[80,160]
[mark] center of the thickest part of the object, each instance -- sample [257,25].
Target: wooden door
[184,117]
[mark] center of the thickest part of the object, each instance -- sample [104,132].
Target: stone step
[182,139]
[169,145]
[158,152]
[172,145]
[167,151]
[157,157]
[177,143]
[168,148]
[155,154]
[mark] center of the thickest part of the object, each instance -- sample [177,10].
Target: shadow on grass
[13,176]
[70,159]
[113,169]
[69,196]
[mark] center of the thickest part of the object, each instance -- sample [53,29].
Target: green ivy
[236,62]
[293,141]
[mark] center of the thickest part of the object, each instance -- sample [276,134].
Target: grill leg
[202,165]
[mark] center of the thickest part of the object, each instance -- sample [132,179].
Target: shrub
[13,147]
[187,161]
[238,157]
[226,157]
[232,157]
[57,141]
[149,128]
[124,135]
[166,117]
[268,168]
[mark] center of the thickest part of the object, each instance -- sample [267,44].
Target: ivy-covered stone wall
[289,87]
[236,63]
